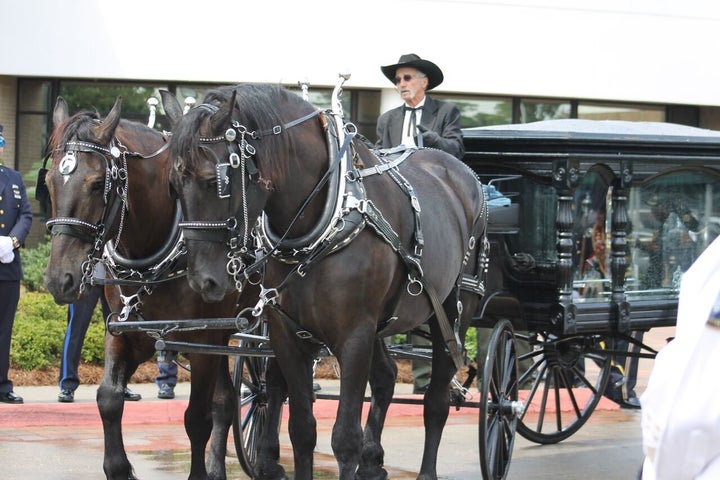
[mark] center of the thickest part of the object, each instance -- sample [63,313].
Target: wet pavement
[53,441]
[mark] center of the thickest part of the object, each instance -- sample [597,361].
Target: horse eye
[97,186]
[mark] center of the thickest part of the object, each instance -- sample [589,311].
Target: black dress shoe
[66,396]
[10,397]
[131,396]
[632,402]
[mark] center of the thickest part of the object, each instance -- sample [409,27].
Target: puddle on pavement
[176,461]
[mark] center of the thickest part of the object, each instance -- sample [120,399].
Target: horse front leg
[347,434]
[199,415]
[302,426]
[111,403]
[268,455]
[383,374]
[223,410]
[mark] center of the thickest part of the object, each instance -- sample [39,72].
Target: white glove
[6,250]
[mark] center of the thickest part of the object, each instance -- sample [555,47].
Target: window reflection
[537,218]
[674,217]
[593,212]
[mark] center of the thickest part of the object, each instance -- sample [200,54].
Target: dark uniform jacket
[15,217]
[438,116]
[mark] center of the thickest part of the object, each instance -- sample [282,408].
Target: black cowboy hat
[433,72]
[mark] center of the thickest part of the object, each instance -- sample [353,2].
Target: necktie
[412,124]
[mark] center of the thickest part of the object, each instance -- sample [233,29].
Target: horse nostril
[68,284]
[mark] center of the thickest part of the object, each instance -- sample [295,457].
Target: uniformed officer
[15,220]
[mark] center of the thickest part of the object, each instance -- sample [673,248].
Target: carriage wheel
[498,403]
[252,408]
[562,386]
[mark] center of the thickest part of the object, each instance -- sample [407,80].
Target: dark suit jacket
[15,218]
[438,116]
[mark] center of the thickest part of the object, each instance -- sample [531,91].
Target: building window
[480,111]
[617,111]
[536,110]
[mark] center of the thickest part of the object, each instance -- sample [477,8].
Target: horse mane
[77,126]
[258,107]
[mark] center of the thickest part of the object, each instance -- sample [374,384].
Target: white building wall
[662,51]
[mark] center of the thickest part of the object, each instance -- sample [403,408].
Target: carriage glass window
[537,211]
[672,217]
[591,233]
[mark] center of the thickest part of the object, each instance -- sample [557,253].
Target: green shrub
[39,332]
[34,263]
[94,347]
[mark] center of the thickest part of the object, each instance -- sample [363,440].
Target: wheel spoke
[577,389]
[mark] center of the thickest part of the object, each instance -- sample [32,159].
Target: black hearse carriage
[592,225]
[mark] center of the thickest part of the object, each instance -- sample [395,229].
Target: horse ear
[223,117]
[173,110]
[61,112]
[106,129]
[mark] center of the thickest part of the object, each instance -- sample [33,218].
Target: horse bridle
[114,197]
[240,155]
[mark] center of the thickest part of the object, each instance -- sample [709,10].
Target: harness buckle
[415,203]
[234,160]
[267,296]
[277,130]
[304,334]
[361,206]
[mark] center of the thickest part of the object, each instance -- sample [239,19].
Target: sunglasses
[407,77]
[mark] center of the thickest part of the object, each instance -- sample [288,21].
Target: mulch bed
[92,374]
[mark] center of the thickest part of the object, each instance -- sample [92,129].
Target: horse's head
[228,158]
[79,181]
[87,187]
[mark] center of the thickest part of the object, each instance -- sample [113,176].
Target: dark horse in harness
[357,248]
[108,186]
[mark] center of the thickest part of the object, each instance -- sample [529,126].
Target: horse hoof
[380,474]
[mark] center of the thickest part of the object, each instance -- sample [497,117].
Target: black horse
[108,184]
[358,248]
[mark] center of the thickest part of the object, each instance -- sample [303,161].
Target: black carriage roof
[582,138]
